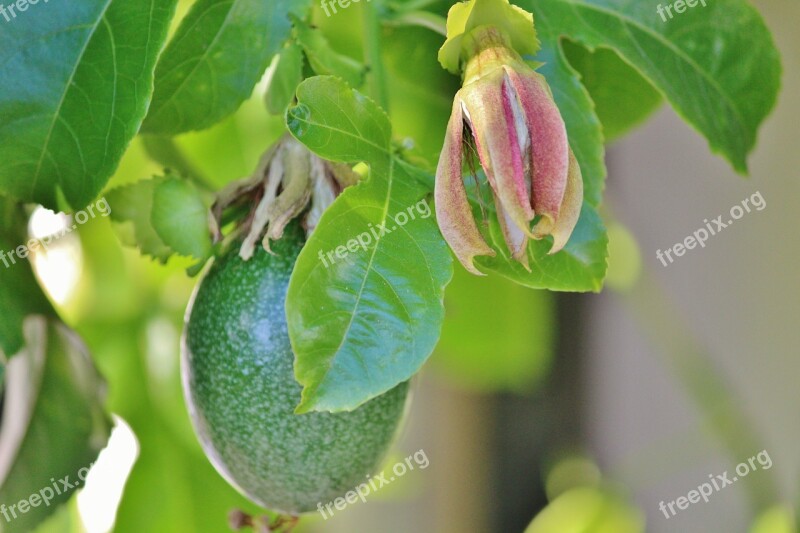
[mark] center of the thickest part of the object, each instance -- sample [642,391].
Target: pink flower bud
[507,110]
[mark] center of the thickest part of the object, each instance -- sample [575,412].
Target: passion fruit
[237,366]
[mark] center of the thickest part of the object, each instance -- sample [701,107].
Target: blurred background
[584,411]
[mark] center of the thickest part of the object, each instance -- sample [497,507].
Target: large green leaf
[366,319]
[75,82]
[217,55]
[53,424]
[717,65]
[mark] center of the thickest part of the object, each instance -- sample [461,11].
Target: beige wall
[740,296]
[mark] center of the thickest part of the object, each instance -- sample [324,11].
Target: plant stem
[372,54]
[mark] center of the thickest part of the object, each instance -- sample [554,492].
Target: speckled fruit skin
[238,379]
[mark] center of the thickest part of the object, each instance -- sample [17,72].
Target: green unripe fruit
[241,391]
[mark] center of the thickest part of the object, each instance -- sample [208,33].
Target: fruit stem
[287,522]
[238,520]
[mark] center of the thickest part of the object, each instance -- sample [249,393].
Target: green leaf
[323,59]
[705,61]
[340,125]
[367,318]
[131,209]
[217,55]
[180,217]
[20,296]
[285,78]
[53,423]
[75,82]
[579,267]
[623,99]
[624,258]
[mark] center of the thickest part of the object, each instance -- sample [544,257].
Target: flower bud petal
[493,117]
[516,240]
[570,208]
[548,142]
[453,211]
